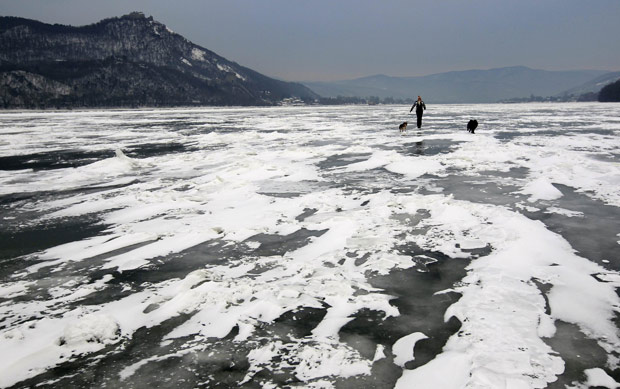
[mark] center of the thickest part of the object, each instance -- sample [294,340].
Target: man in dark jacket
[419,110]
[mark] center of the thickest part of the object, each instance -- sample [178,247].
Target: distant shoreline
[197,107]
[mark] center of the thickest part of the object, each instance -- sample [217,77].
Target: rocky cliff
[132,60]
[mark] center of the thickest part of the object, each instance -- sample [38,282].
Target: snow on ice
[242,246]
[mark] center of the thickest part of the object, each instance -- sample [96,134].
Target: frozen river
[311,247]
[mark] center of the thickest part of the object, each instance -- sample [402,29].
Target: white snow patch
[598,377]
[541,189]
[198,55]
[415,167]
[449,370]
[527,207]
[471,244]
[379,353]
[613,278]
[322,360]
[91,328]
[228,69]
[403,348]
[13,289]
[564,212]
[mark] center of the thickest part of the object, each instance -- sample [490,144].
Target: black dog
[403,127]
[471,125]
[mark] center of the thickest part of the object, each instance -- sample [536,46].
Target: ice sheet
[189,233]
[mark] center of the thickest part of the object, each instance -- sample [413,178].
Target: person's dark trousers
[419,120]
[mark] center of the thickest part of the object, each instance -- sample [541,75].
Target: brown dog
[403,127]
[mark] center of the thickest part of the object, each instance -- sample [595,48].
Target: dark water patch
[412,220]
[477,189]
[174,266]
[512,135]
[359,261]
[211,253]
[579,354]
[183,188]
[102,368]
[282,195]
[296,324]
[478,251]
[12,198]
[218,363]
[419,186]
[215,147]
[577,350]
[174,124]
[224,363]
[229,127]
[62,159]
[159,269]
[421,310]
[318,142]
[383,375]
[215,363]
[290,189]
[518,172]
[593,235]
[597,131]
[278,245]
[147,150]
[429,147]
[58,159]
[340,160]
[544,289]
[608,157]
[29,240]
[179,265]
[78,273]
[116,288]
[288,329]
[306,213]
[577,131]
[370,182]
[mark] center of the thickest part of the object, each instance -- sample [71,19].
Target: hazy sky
[305,40]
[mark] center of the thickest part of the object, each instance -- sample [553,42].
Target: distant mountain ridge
[593,86]
[131,60]
[470,86]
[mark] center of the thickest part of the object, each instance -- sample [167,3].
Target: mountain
[131,60]
[610,93]
[592,86]
[471,86]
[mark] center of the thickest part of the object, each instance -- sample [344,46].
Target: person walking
[419,110]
